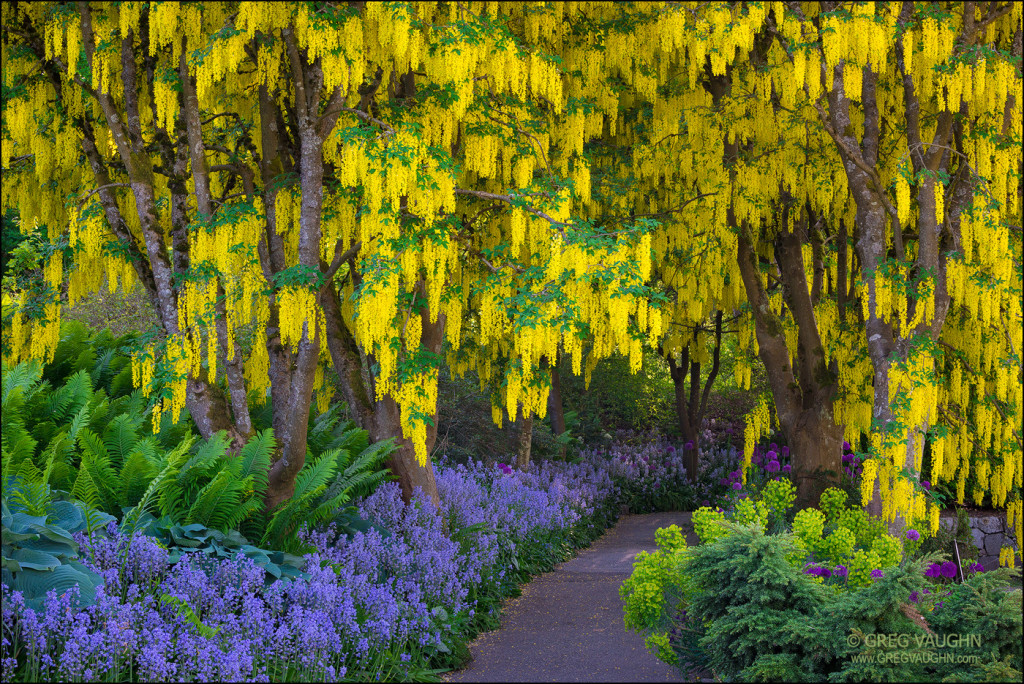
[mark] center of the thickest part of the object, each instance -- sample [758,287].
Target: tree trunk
[683,413]
[804,404]
[381,419]
[555,409]
[525,441]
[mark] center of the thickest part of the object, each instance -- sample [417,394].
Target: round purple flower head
[976,567]
[723,481]
[774,446]
[773,455]
[949,569]
[934,571]
[926,484]
[846,446]
[772,467]
[786,468]
[737,486]
[688,445]
[913,535]
[784,451]
[840,571]
[876,573]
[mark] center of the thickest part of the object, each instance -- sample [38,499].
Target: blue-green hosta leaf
[56,548]
[54,533]
[30,559]
[33,584]
[66,515]
[21,521]
[11,537]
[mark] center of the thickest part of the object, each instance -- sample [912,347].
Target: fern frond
[247,509]
[85,489]
[33,497]
[216,501]
[311,482]
[121,436]
[133,479]
[254,460]
[175,459]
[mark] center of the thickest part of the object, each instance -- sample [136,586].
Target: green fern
[175,459]
[254,460]
[311,481]
[134,477]
[33,497]
[85,489]
[120,437]
[216,501]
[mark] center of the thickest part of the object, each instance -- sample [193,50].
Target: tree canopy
[366,186]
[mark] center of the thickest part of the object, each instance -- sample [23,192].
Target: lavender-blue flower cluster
[377,605]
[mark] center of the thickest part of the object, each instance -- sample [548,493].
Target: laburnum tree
[514,181]
[349,185]
[863,165]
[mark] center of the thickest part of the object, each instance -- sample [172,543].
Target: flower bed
[397,601]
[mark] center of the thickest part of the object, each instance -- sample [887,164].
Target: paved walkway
[567,624]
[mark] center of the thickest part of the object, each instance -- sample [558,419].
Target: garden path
[567,624]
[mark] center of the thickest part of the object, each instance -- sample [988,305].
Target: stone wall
[989,530]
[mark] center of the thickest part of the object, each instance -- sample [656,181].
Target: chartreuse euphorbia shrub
[744,610]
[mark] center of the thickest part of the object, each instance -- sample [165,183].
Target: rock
[993,542]
[989,524]
[979,537]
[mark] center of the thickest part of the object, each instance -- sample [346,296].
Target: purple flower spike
[913,535]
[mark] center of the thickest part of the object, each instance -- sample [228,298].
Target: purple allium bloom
[737,486]
[784,451]
[976,567]
[705,502]
[914,597]
[876,573]
[688,445]
[772,467]
[840,571]
[812,570]
[773,446]
[913,535]
[773,455]
[846,446]
[786,468]
[723,482]
[926,484]
[949,569]
[934,571]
